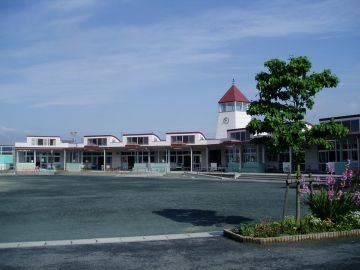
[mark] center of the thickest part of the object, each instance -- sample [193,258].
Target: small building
[6,157]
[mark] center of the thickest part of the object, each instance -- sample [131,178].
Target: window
[138,140]
[239,106]
[6,150]
[230,107]
[40,142]
[52,141]
[249,153]
[183,139]
[222,108]
[97,141]
[354,125]
[26,157]
[227,107]
[240,136]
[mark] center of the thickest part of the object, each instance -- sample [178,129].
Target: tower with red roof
[232,112]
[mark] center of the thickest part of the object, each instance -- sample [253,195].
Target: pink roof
[233,94]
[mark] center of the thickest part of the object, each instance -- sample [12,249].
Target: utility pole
[73,134]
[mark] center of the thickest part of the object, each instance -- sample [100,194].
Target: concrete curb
[289,238]
[111,240]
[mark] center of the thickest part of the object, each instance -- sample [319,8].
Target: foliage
[286,92]
[309,224]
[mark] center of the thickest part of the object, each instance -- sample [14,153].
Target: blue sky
[137,66]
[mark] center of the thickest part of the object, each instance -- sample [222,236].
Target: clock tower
[232,112]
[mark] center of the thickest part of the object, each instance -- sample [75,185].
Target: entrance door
[187,162]
[131,161]
[100,163]
[215,156]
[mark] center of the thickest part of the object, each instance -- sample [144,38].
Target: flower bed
[289,238]
[309,224]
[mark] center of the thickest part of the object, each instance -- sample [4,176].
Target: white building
[231,150]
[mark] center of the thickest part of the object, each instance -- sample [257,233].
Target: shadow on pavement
[199,217]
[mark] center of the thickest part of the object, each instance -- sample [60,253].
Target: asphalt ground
[36,208]
[205,253]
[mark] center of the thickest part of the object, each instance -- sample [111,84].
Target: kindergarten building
[231,150]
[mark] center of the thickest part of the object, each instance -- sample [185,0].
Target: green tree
[286,92]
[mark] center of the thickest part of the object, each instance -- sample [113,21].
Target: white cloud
[69,64]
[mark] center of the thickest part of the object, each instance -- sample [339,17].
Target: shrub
[334,201]
[325,207]
[268,229]
[247,229]
[350,221]
[289,225]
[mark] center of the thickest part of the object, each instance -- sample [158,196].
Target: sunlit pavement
[205,253]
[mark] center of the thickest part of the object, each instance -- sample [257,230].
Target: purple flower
[330,194]
[330,180]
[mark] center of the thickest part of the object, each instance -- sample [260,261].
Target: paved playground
[36,208]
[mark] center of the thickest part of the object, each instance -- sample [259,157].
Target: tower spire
[233,80]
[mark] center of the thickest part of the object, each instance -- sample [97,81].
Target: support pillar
[191,159]
[64,160]
[16,159]
[263,154]
[240,158]
[290,159]
[35,158]
[207,159]
[104,169]
[358,153]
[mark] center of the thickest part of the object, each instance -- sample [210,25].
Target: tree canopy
[286,92]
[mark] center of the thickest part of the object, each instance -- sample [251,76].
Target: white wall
[237,119]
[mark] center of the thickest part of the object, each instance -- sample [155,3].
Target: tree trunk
[286,198]
[298,196]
